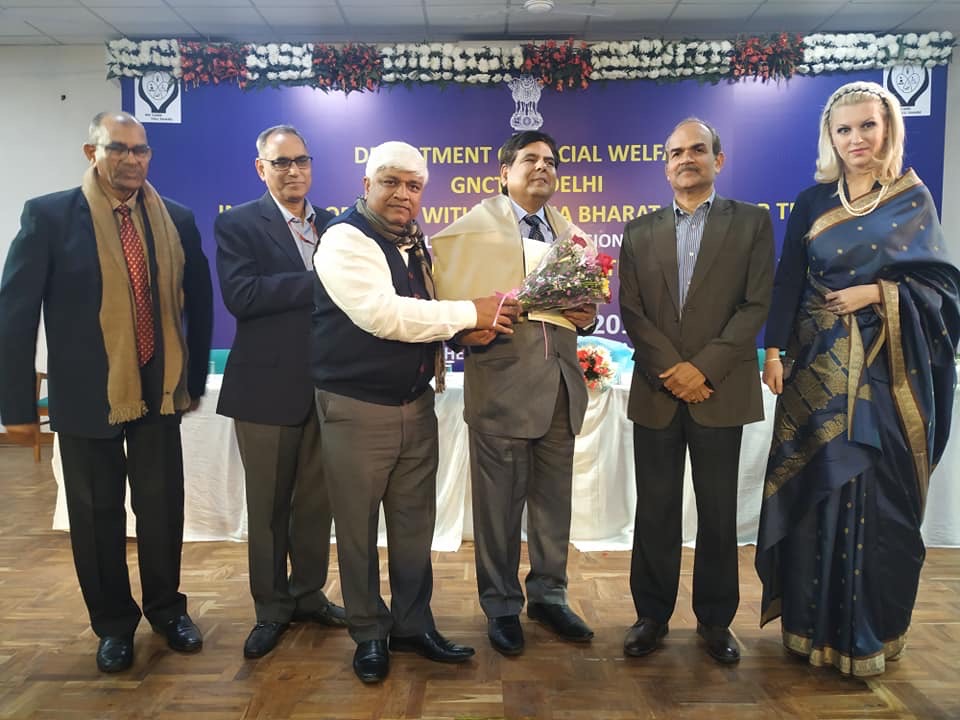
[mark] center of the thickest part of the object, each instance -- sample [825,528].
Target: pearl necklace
[859,212]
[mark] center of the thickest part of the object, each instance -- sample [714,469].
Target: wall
[50,94]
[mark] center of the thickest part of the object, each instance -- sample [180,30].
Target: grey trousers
[382,454]
[288,515]
[507,473]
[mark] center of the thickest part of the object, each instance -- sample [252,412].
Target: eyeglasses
[284,163]
[119,151]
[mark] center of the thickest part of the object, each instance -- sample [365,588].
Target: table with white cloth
[604,490]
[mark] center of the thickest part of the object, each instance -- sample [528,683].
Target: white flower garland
[823,52]
[647,58]
[280,62]
[657,59]
[130,58]
[447,62]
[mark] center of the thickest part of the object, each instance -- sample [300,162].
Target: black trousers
[659,458]
[95,472]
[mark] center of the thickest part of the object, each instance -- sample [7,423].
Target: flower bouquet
[570,274]
[597,367]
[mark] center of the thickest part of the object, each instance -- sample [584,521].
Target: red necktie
[137,267]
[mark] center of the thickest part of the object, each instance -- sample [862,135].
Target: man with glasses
[265,265]
[127,302]
[521,451]
[376,333]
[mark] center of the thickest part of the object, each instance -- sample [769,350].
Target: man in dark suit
[524,398]
[127,303]
[695,284]
[265,264]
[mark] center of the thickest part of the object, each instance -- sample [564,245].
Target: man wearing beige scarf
[127,301]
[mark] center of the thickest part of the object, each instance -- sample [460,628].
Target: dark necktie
[535,232]
[137,268]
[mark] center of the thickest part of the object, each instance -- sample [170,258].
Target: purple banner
[611,137]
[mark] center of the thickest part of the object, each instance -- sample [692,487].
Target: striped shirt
[689,235]
[526,227]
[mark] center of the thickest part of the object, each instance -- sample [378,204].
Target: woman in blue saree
[866,305]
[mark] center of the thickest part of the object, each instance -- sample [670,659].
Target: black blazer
[270,293]
[53,262]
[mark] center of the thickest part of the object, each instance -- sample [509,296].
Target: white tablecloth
[604,493]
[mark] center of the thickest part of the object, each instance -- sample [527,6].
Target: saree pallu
[861,423]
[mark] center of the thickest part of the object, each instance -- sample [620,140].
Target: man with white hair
[376,333]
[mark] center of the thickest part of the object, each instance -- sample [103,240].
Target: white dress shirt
[356,276]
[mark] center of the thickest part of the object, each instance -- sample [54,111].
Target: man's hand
[22,434]
[475,337]
[497,313]
[851,299]
[583,316]
[194,404]
[686,382]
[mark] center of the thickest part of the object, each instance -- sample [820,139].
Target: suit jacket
[726,306]
[270,293]
[510,386]
[53,262]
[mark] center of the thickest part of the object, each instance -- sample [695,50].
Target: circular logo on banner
[158,89]
[907,83]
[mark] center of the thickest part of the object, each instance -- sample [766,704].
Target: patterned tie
[535,232]
[137,268]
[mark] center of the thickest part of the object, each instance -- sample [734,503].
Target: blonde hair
[891,154]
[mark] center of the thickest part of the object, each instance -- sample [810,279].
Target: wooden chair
[42,412]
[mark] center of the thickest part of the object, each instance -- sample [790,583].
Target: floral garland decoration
[825,53]
[766,58]
[203,63]
[129,58]
[273,65]
[660,60]
[360,68]
[446,62]
[560,65]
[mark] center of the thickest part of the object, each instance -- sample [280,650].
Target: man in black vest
[265,264]
[375,349]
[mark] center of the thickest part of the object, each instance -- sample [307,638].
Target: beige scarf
[117,314]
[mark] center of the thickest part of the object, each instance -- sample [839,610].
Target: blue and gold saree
[863,419]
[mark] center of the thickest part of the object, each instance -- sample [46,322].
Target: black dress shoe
[506,634]
[263,638]
[721,645]
[182,635]
[115,654]
[433,646]
[371,661]
[644,637]
[561,619]
[330,615]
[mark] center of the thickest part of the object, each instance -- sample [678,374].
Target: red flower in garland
[773,57]
[205,64]
[558,65]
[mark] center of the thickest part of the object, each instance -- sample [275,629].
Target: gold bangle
[771,360]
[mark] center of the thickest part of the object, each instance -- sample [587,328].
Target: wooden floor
[47,667]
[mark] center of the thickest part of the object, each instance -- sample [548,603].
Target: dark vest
[349,361]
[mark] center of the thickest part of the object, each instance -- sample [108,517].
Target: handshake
[495,314]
